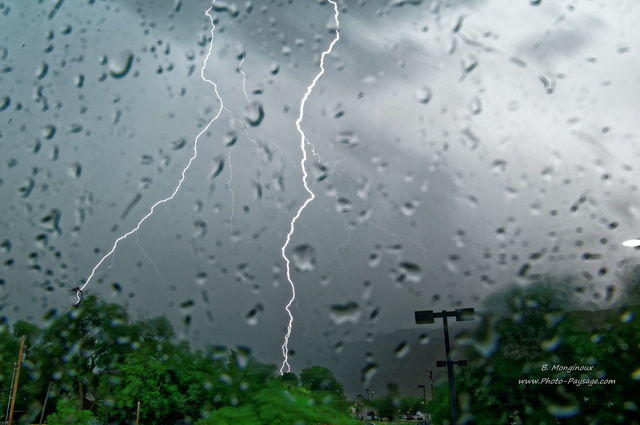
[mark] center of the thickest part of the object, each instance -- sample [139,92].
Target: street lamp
[461,315]
[631,243]
[424,394]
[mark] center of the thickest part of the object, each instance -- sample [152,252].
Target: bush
[67,413]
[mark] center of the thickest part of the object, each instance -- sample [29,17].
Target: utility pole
[433,394]
[13,376]
[461,315]
[44,406]
[15,382]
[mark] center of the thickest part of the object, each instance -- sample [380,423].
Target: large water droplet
[343,205]
[407,272]
[345,313]
[121,64]
[303,257]
[368,372]
[200,229]
[254,114]
[348,138]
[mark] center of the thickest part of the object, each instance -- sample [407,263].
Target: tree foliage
[535,337]
[101,363]
[318,378]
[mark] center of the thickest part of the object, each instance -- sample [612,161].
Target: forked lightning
[182,177]
[303,142]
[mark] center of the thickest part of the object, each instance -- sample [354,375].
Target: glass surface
[205,163]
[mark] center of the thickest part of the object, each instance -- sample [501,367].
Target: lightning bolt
[292,228]
[182,177]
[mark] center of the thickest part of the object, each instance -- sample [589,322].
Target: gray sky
[455,145]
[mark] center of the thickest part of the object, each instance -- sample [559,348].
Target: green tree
[275,404]
[387,407]
[318,378]
[533,333]
[168,380]
[67,413]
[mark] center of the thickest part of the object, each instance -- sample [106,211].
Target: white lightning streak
[184,171]
[244,76]
[303,141]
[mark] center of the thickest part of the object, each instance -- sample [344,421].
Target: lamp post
[461,315]
[424,395]
[433,394]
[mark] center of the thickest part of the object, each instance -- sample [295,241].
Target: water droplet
[498,166]
[243,355]
[200,229]
[5,246]
[407,272]
[552,344]
[423,95]
[254,114]
[75,170]
[74,128]
[368,372]
[345,313]
[51,221]
[231,9]
[25,189]
[374,314]
[343,205]
[409,208]
[120,66]
[627,317]
[254,315]
[401,350]
[348,138]
[178,144]
[374,259]
[303,257]
[548,83]
[42,71]
[201,278]
[230,139]
[563,411]
[79,80]
[4,104]
[48,131]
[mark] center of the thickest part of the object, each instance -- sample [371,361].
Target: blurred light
[632,243]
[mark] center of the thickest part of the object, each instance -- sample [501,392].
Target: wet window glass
[319,211]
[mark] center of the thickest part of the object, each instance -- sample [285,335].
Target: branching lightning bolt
[182,177]
[303,142]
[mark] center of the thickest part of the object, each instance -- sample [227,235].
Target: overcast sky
[454,148]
